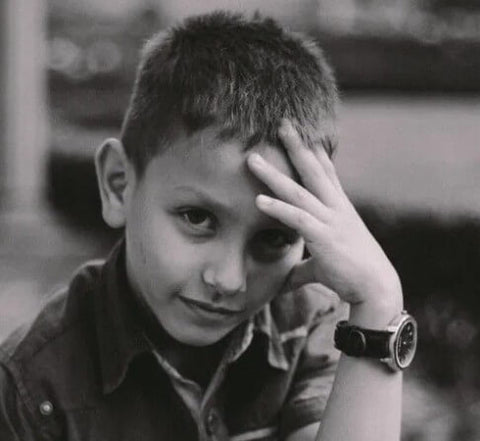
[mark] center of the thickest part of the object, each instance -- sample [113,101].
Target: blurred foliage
[438,261]
[403,64]
[439,5]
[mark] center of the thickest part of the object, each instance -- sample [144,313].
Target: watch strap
[361,342]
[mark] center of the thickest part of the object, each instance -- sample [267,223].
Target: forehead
[205,164]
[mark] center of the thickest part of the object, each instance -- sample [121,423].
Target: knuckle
[302,218]
[300,195]
[311,180]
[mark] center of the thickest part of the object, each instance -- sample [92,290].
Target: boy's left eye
[275,238]
[271,245]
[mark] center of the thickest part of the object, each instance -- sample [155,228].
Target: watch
[395,346]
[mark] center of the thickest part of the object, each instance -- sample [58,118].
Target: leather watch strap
[361,342]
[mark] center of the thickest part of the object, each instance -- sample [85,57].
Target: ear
[115,178]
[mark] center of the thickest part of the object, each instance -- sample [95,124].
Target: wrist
[380,309]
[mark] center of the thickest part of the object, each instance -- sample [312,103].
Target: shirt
[85,369]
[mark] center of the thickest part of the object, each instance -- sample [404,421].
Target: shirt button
[46,408]
[212,422]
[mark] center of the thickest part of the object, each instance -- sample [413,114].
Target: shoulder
[34,356]
[58,317]
[307,307]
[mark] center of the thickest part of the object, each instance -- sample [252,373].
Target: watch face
[406,343]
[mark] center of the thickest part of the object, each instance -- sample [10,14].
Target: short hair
[241,74]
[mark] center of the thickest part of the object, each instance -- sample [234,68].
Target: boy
[201,325]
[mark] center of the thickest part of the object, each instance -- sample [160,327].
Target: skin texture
[196,240]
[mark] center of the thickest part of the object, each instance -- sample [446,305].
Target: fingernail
[256,158]
[264,201]
[285,127]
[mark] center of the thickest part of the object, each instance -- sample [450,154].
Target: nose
[227,273]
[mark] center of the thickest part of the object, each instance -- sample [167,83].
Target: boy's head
[238,74]
[207,94]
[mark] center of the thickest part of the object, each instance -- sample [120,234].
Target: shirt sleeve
[315,372]
[14,425]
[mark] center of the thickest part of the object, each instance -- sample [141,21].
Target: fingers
[285,187]
[301,274]
[328,167]
[294,217]
[315,169]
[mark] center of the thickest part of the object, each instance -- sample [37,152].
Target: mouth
[210,308]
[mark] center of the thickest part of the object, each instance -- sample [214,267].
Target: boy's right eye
[198,219]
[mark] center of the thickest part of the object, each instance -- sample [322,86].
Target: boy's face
[198,250]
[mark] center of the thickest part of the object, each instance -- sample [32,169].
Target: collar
[261,323]
[264,323]
[120,334]
[121,331]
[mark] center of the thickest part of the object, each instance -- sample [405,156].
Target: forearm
[365,402]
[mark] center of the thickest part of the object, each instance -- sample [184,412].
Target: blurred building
[296,12]
[383,16]
[425,19]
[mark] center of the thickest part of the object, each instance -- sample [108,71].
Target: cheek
[169,261]
[161,258]
[267,281]
[263,288]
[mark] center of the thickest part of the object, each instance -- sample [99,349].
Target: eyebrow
[205,197]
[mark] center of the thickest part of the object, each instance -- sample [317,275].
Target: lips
[209,307]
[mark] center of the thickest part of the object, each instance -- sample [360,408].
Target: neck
[197,363]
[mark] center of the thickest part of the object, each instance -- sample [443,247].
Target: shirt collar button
[212,422]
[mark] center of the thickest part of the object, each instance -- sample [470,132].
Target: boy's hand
[345,257]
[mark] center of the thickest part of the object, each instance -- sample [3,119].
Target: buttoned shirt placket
[203,404]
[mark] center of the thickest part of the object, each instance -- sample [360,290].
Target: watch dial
[406,344]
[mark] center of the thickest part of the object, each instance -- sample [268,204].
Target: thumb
[301,274]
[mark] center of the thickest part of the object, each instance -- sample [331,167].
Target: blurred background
[409,157]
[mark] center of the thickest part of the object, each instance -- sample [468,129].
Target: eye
[198,219]
[275,239]
[273,244]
